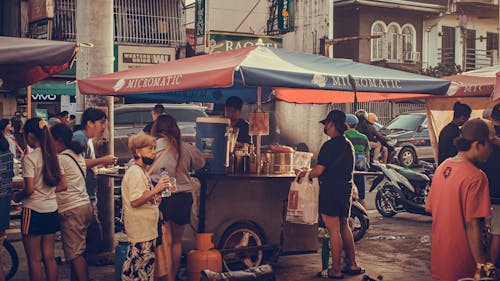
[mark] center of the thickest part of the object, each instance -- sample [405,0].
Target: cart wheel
[242,235]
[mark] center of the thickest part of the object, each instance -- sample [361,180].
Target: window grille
[151,22]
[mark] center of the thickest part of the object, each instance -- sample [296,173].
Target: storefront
[48,97]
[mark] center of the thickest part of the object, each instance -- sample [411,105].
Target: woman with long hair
[43,177]
[75,211]
[178,158]
[6,130]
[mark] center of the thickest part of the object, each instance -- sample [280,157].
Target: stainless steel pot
[279,162]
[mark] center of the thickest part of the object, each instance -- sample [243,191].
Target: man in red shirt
[459,201]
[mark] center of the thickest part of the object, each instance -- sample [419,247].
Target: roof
[398,4]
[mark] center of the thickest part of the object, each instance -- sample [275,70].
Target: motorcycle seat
[414,176]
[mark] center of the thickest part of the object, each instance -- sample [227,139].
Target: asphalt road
[397,248]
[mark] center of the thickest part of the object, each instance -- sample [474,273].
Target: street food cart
[246,211]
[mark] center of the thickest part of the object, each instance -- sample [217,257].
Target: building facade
[411,35]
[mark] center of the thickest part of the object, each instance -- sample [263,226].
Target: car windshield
[409,122]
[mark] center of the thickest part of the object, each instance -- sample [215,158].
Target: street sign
[286,14]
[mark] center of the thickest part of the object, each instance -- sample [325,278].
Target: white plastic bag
[302,204]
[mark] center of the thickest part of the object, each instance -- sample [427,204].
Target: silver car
[131,118]
[409,135]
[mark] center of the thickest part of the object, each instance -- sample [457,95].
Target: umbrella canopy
[475,83]
[26,61]
[248,68]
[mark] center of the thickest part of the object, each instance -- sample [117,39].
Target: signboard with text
[286,15]
[41,30]
[199,25]
[40,9]
[219,42]
[130,57]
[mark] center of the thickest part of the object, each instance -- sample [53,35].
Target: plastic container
[166,192]
[212,142]
[204,257]
[120,257]
[302,159]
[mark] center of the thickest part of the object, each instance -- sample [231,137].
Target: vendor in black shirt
[233,111]
[446,147]
[334,170]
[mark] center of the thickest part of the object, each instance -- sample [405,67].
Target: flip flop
[324,274]
[356,271]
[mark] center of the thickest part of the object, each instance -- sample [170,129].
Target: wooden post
[28,100]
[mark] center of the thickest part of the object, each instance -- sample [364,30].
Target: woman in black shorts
[178,158]
[43,177]
[334,170]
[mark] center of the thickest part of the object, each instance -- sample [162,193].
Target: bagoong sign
[221,41]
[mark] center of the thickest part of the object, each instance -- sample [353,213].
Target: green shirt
[358,140]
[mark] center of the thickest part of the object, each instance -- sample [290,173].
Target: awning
[25,61]
[51,87]
[253,67]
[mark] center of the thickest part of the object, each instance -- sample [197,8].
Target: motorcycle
[400,190]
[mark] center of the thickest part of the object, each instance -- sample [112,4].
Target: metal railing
[152,22]
[474,59]
[385,110]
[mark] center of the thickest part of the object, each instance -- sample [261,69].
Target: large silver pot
[279,162]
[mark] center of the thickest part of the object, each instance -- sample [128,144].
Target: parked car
[131,118]
[410,136]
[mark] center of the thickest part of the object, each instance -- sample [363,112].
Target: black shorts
[360,183]
[35,223]
[335,202]
[177,208]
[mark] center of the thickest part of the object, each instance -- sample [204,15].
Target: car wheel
[407,157]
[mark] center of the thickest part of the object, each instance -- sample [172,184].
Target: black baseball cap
[336,116]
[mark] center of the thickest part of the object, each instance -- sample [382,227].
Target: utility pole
[94,21]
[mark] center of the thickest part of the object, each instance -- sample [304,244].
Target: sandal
[356,271]
[326,275]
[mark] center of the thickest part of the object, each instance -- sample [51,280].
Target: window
[377,44]
[393,42]
[409,42]
[396,44]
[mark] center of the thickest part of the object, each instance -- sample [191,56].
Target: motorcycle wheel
[358,224]
[385,206]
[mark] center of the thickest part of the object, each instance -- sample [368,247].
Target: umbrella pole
[28,101]
[353,85]
[258,136]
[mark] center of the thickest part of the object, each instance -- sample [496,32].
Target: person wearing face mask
[335,170]
[459,201]
[140,209]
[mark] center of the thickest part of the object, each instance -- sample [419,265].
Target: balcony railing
[474,58]
[152,22]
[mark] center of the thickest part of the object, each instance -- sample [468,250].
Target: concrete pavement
[397,248]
